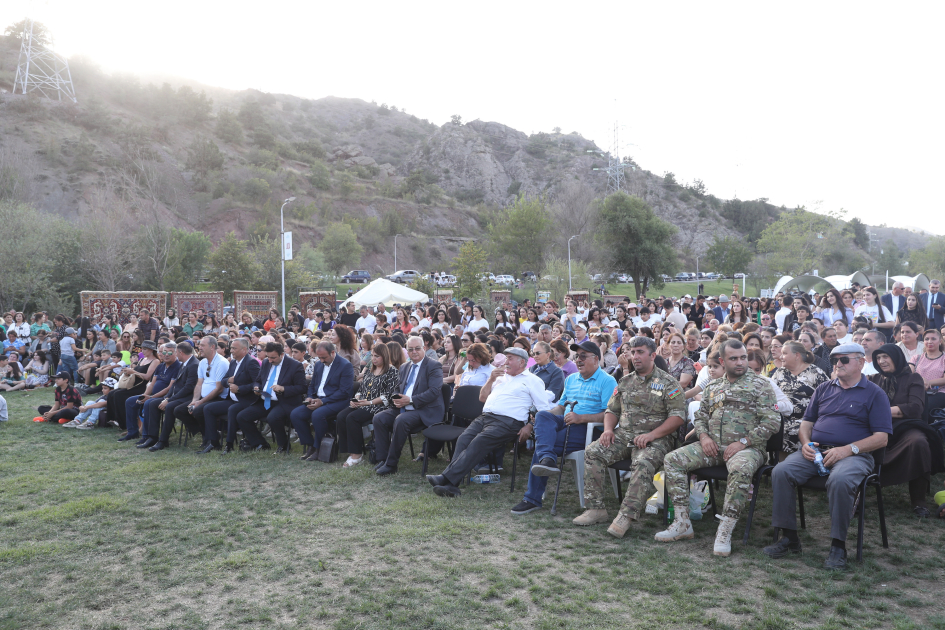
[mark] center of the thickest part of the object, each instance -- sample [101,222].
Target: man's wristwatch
[744,441]
[856,451]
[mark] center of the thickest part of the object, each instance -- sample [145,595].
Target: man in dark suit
[182,390]
[895,300]
[723,309]
[280,387]
[329,392]
[239,379]
[934,304]
[419,404]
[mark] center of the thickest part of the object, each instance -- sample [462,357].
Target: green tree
[232,266]
[467,267]
[40,33]
[891,259]
[519,235]
[340,248]
[203,156]
[320,177]
[860,233]
[269,262]
[228,127]
[24,243]
[634,240]
[554,277]
[193,107]
[929,260]
[750,217]
[170,258]
[728,256]
[801,241]
[256,190]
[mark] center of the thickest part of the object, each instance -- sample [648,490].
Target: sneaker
[525,507]
[63,421]
[112,423]
[546,467]
[86,425]
[72,424]
[679,530]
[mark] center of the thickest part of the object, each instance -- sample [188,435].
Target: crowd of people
[670,384]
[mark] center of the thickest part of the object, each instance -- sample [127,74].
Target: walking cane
[567,433]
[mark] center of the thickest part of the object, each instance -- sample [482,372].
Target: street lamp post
[395,251]
[569,261]
[282,241]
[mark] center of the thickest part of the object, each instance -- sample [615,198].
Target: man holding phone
[280,387]
[329,392]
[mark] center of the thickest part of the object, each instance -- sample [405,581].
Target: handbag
[127,381]
[328,449]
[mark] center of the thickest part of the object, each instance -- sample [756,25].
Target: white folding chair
[578,458]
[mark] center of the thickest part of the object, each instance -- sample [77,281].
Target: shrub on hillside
[320,177]
[228,128]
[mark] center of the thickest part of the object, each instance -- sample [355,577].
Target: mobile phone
[397,396]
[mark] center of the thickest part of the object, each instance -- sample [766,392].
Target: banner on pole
[287,246]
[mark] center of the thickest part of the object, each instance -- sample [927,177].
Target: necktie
[410,376]
[267,393]
[931,300]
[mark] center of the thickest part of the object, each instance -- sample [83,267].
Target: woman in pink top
[931,366]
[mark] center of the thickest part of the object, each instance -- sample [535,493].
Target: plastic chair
[578,458]
[872,479]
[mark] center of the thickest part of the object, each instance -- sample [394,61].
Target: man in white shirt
[211,373]
[671,315]
[871,341]
[895,300]
[367,321]
[508,394]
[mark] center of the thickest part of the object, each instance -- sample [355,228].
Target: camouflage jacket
[743,409]
[641,405]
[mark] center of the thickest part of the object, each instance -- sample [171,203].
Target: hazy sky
[824,104]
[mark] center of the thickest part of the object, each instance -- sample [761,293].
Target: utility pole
[615,167]
[569,261]
[41,70]
[282,240]
[395,252]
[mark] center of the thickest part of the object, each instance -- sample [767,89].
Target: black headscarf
[889,380]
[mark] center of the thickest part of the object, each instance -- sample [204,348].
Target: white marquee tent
[384,291]
[807,282]
[918,283]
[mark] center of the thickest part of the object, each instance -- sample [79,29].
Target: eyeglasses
[415,349]
[843,360]
[585,357]
[167,353]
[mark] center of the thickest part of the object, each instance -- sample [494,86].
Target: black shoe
[208,448]
[837,560]
[447,491]
[259,449]
[782,548]
[129,437]
[546,467]
[148,443]
[385,470]
[380,465]
[158,446]
[282,450]
[143,439]
[227,449]
[437,480]
[921,512]
[525,508]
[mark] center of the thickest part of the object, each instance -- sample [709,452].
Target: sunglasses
[843,360]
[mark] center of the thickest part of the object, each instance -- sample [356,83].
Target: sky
[831,106]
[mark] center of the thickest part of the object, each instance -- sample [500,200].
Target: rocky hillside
[219,161]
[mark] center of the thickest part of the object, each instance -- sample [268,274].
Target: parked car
[446,281]
[624,279]
[404,276]
[665,278]
[505,280]
[711,276]
[682,276]
[356,275]
[529,276]
[487,277]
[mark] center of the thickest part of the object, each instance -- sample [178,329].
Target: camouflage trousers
[741,469]
[646,462]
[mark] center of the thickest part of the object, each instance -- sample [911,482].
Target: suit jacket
[339,387]
[245,377]
[887,302]
[427,397]
[291,376]
[938,317]
[183,388]
[720,314]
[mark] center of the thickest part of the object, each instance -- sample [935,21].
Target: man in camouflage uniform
[650,406]
[734,422]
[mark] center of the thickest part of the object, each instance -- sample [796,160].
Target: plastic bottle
[671,512]
[822,470]
[486,478]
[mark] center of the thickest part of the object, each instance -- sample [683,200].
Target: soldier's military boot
[723,538]
[620,526]
[681,528]
[591,517]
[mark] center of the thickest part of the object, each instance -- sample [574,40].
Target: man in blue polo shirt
[591,388]
[847,419]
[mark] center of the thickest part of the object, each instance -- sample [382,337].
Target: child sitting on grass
[88,414]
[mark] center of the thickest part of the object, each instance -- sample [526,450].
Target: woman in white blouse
[478,322]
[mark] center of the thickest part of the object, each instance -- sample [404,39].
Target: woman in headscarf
[914,451]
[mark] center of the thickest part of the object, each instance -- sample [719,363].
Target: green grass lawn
[100,535]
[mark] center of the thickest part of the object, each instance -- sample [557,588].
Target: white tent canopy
[918,283]
[807,282]
[386,292]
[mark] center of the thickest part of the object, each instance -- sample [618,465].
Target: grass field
[99,535]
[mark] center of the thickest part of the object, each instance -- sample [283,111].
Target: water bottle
[670,512]
[494,478]
[822,470]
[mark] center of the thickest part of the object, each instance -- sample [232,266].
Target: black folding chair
[447,391]
[714,474]
[872,479]
[465,408]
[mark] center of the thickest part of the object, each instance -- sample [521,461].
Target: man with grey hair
[933,303]
[896,299]
[158,387]
[508,395]
[238,381]
[650,406]
[210,387]
[847,418]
